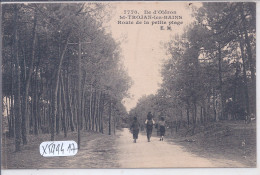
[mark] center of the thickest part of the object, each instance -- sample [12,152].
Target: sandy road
[157,154]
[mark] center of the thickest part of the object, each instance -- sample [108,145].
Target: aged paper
[128,85]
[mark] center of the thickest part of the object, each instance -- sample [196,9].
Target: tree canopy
[61,69]
[210,75]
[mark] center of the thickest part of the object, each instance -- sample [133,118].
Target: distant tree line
[210,75]
[61,70]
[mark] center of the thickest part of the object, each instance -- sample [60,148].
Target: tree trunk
[12,101]
[220,82]
[17,96]
[181,119]
[214,106]
[114,124]
[245,79]
[79,92]
[97,112]
[58,111]
[188,115]
[194,117]
[204,115]
[85,111]
[35,107]
[201,115]
[90,109]
[28,80]
[248,47]
[8,115]
[250,59]
[82,108]
[110,113]
[234,101]
[55,89]
[94,110]
[64,105]
[101,113]
[69,108]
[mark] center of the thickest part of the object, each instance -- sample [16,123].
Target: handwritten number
[69,148]
[52,148]
[62,149]
[58,148]
[73,147]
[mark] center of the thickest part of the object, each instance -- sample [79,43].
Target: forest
[61,69]
[211,73]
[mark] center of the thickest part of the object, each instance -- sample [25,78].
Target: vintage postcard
[142,84]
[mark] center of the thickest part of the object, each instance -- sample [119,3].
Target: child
[135,128]
[162,128]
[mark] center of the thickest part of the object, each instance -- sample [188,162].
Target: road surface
[158,154]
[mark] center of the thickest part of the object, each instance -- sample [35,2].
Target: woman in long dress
[162,128]
[135,129]
[149,125]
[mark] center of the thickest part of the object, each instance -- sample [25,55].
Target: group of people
[149,122]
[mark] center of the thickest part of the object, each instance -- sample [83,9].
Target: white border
[173,171]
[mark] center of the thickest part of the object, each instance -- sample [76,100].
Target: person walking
[135,129]
[149,126]
[162,128]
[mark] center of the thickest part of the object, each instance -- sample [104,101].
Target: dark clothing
[135,129]
[149,127]
[149,116]
[135,134]
[135,125]
[149,133]
[162,130]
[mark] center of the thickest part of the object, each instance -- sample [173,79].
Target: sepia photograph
[128,84]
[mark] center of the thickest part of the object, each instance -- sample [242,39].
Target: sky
[142,45]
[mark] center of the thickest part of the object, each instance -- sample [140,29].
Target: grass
[232,140]
[97,151]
